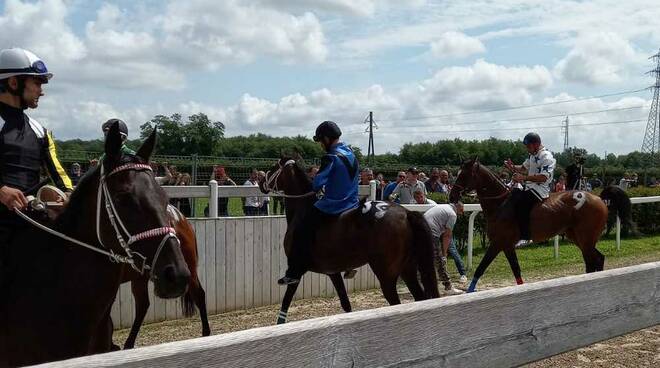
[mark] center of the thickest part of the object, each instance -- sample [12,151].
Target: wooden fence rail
[240,260]
[496,328]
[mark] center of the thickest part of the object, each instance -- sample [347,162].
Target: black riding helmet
[123,129]
[327,129]
[531,138]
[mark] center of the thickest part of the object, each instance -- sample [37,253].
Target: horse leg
[511,256]
[338,283]
[140,291]
[490,255]
[409,276]
[199,297]
[286,302]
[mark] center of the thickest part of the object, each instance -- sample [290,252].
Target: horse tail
[619,204]
[422,250]
[188,304]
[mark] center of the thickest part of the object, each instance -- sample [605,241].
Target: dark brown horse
[581,215]
[59,293]
[392,240]
[194,296]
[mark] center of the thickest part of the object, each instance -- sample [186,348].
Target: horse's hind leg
[140,291]
[490,255]
[286,302]
[511,256]
[409,276]
[338,283]
[387,282]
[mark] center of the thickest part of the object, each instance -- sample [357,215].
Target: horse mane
[494,177]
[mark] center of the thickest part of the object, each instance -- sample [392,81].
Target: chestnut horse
[392,240]
[59,291]
[581,215]
[194,296]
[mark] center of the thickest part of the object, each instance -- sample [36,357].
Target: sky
[428,70]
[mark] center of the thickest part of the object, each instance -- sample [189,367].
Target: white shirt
[440,218]
[252,201]
[542,163]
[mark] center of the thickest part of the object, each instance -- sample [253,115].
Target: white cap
[17,61]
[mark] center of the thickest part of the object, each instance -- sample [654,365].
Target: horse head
[134,221]
[466,180]
[286,176]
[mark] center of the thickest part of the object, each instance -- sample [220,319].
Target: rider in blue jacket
[337,179]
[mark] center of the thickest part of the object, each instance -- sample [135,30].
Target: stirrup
[288,281]
[522,243]
[350,274]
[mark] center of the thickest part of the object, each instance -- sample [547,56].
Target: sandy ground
[638,349]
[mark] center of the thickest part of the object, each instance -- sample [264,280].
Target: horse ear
[476,159]
[147,147]
[113,143]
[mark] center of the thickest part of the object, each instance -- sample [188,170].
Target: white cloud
[455,45]
[484,85]
[598,58]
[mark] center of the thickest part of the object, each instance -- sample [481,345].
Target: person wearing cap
[76,173]
[404,191]
[25,146]
[537,173]
[337,179]
[441,219]
[123,132]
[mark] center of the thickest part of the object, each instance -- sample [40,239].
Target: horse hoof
[281,321]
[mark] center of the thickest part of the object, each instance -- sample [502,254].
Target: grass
[538,261]
[235,207]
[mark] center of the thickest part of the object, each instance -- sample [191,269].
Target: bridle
[270,182]
[462,189]
[134,259]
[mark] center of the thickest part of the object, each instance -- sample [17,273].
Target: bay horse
[394,242]
[581,215]
[194,296]
[59,292]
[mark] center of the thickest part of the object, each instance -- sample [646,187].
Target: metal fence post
[618,233]
[556,246]
[213,199]
[470,241]
[194,181]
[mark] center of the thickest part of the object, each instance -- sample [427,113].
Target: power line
[528,127]
[532,117]
[516,107]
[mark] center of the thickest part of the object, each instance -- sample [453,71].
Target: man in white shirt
[441,220]
[539,168]
[252,205]
[420,198]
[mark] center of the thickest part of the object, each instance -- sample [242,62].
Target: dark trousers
[523,202]
[304,234]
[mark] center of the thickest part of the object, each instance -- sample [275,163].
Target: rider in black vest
[25,146]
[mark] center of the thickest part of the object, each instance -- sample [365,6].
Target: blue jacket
[339,180]
[389,188]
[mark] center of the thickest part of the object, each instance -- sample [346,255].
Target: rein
[134,259]
[270,183]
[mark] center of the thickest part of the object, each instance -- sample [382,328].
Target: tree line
[197,134]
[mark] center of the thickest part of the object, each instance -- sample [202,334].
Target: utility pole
[651,142]
[565,130]
[370,130]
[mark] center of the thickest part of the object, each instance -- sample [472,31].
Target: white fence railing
[213,191]
[503,327]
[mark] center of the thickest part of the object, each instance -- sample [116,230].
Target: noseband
[270,182]
[134,259]
[166,232]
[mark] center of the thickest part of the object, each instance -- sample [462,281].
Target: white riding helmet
[16,61]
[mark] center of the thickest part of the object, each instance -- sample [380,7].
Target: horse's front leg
[338,283]
[286,302]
